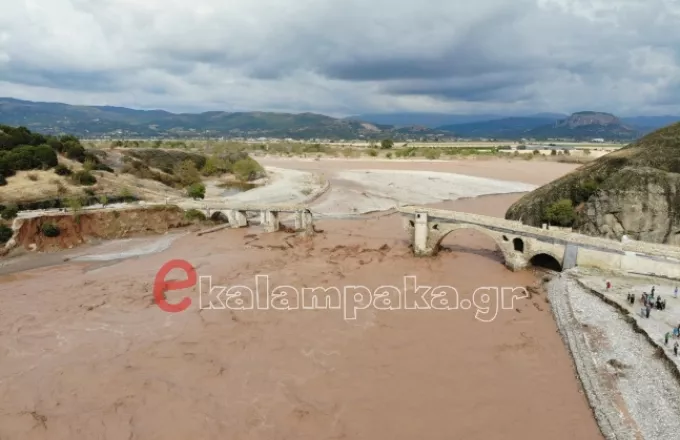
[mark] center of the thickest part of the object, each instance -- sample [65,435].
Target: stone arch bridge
[522,245]
[269,215]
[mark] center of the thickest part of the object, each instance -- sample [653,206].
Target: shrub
[62,170]
[50,230]
[247,169]
[432,153]
[386,144]
[187,173]
[5,234]
[194,214]
[61,189]
[9,212]
[536,152]
[27,157]
[73,150]
[372,152]
[214,165]
[83,178]
[126,195]
[560,213]
[521,147]
[553,152]
[33,177]
[89,165]
[583,191]
[196,191]
[103,167]
[74,204]
[389,155]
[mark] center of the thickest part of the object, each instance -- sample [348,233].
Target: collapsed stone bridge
[523,245]
[270,215]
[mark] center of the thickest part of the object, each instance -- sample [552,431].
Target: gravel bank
[632,392]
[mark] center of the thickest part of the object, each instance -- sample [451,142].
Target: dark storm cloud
[491,87]
[64,79]
[339,55]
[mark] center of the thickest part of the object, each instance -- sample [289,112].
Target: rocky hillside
[634,191]
[584,126]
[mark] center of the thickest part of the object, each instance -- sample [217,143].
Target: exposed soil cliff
[78,229]
[634,191]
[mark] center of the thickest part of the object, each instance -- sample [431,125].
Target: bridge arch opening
[471,240]
[546,261]
[518,244]
[219,217]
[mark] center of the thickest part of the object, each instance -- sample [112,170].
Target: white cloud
[345,56]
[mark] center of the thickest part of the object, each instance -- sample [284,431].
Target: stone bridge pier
[518,249]
[269,217]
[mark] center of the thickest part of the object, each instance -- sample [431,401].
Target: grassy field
[560,152]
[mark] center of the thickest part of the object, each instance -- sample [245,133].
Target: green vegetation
[560,213]
[187,173]
[126,195]
[433,153]
[75,204]
[247,169]
[386,144]
[166,161]
[196,191]
[84,178]
[194,215]
[50,230]
[20,150]
[62,170]
[5,234]
[9,212]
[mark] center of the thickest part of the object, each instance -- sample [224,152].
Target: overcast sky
[344,57]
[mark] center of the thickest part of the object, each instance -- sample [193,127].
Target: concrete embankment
[631,387]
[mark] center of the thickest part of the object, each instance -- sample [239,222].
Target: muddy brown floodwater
[85,354]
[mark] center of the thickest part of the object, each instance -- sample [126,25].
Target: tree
[247,169]
[560,213]
[196,191]
[386,144]
[187,173]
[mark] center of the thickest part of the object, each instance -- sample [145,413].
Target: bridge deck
[518,228]
[249,207]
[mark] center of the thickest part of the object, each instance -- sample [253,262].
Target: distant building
[598,140]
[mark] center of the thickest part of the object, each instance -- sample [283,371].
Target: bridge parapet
[439,215]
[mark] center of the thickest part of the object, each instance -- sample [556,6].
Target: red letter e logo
[160,286]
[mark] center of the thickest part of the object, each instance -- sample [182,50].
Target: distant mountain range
[120,122]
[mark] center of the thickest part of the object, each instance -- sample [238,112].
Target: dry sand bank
[511,170]
[91,357]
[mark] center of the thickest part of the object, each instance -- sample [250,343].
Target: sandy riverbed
[86,354]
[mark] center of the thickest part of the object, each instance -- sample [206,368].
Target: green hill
[634,191]
[117,122]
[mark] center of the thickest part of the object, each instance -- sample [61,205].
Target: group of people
[676,334]
[649,302]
